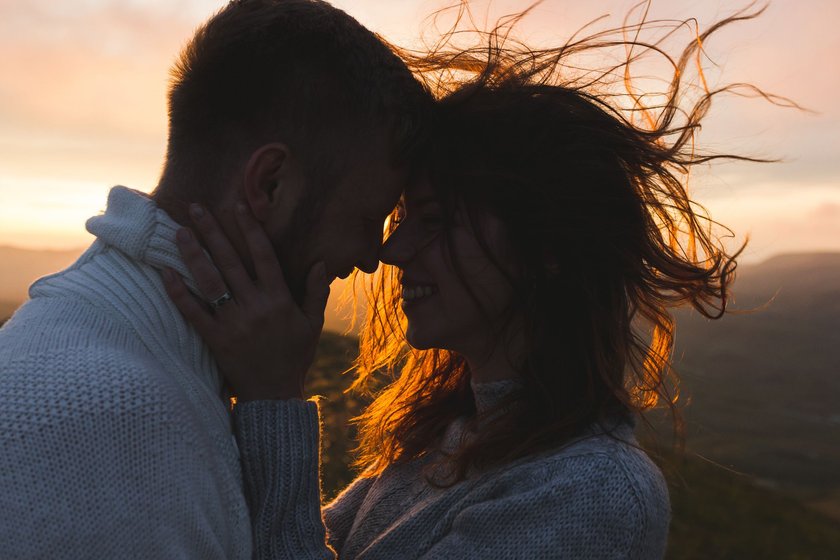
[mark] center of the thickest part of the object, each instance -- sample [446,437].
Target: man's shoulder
[68,358]
[86,385]
[61,319]
[93,440]
[54,325]
[67,352]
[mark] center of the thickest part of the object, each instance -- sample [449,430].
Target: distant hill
[763,385]
[717,514]
[6,310]
[20,267]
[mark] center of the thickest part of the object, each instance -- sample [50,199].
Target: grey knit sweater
[595,498]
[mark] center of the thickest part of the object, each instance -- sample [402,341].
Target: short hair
[300,71]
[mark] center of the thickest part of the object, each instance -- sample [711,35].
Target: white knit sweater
[115,441]
[599,497]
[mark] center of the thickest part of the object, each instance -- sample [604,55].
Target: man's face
[346,229]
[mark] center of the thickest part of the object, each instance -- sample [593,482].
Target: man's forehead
[372,192]
[382,182]
[382,198]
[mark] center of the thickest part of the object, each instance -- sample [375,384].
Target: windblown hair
[297,71]
[591,183]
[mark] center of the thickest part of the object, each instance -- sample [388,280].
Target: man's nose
[370,260]
[369,264]
[396,250]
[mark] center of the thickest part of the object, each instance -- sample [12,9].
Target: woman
[523,311]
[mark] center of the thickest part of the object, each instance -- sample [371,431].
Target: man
[115,437]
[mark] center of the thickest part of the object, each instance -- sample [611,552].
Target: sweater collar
[133,224]
[136,228]
[135,240]
[488,394]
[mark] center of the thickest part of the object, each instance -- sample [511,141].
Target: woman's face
[439,306]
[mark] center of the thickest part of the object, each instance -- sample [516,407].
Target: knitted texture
[115,441]
[595,498]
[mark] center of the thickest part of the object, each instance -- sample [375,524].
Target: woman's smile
[413,294]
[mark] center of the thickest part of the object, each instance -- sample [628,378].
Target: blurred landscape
[763,386]
[20,267]
[760,476]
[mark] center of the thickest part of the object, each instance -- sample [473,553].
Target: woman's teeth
[417,292]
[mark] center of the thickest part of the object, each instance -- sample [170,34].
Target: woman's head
[541,193]
[574,202]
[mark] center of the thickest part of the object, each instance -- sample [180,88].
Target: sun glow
[82,105]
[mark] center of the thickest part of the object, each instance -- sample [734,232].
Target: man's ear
[272,181]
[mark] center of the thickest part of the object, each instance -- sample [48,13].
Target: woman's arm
[278,442]
[264,344]
[263,340]
[279,448]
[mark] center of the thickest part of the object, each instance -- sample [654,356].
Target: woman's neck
[495,365]
[500,355]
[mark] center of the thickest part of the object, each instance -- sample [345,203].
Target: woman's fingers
[225,257]
[210,283]
[268,270]
[188,305]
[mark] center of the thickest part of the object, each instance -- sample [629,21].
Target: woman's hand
[262,340]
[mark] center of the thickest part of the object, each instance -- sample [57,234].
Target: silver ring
[220,301]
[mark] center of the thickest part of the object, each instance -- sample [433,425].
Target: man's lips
[345,273]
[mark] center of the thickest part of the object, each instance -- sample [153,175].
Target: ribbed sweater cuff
[278,443]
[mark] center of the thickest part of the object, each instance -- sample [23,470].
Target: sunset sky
[83,82]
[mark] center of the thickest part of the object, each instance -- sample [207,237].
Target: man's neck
[176,208]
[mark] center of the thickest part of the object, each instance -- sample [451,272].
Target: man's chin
[344,275]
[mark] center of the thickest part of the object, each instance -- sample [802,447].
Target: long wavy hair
[589,175]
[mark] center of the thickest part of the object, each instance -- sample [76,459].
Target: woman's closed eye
[398,215]
[426,218]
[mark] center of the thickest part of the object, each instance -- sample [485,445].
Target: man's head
[294,107]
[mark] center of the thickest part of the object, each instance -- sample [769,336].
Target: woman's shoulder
[601,472]
[599,461]
[613,450]
[601,478]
